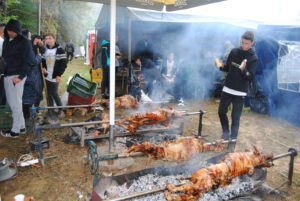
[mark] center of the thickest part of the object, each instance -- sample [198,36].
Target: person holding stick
[33,88]
[241,66]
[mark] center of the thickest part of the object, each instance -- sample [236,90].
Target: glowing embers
[240,186]
[101,128]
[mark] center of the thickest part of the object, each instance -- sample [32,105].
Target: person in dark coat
[70,49]
[19,57]
[33,88]
[241,66]
[105,64]
[144,48]
[134,86]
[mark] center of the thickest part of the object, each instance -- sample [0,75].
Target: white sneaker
[10,134]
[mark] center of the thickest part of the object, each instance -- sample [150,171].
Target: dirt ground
[63,177]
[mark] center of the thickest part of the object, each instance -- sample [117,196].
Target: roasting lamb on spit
[179,150]
[232,165]
[122,102]
[163,116]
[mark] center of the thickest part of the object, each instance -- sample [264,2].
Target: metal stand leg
[291,165]
[70,128]
[291,170]
[181,128]
[200,123]
[82,137]
[40,146]
[111,138]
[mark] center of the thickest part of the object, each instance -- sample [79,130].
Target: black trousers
[237,107]
[52,89]
[26,111]
[105,79]
[2,92]
[70,54]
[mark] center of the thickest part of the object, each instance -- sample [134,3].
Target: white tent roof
[123,13]
[169,5]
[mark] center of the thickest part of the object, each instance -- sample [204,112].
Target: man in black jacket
[70,50]
[241,66]
[19,57]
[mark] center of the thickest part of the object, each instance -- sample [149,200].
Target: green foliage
[4,6]
[68,19]
[64,19]
[26,12]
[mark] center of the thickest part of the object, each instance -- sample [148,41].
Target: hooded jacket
[17,53]
[70,47]
[105,53]
[237,79]
[60,64]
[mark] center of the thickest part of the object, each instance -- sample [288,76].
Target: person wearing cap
[19,57]
[241,66]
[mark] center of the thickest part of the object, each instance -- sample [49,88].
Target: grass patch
[77,66]
[297,178]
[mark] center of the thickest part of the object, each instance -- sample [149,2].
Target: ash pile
[240,186]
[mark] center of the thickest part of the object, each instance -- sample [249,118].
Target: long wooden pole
[44,80]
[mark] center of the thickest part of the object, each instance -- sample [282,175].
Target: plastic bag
[64,98]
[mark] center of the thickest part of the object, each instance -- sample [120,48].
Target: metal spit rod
[193,113]
[66,107]
[116,156]
[92,122]
[156,190]
[278,157]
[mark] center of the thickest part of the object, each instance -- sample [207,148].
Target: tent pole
[129,39]
[87,50]
[112,73]
[39,17]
